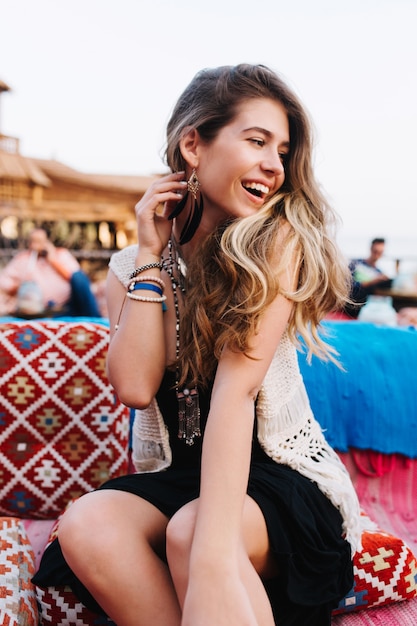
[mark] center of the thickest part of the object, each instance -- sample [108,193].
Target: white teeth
[257,187]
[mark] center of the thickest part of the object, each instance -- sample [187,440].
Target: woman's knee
[78,526]
[180,530]
[108,519]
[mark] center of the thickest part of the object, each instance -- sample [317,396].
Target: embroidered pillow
[385,571]
[17,566]
[63,431]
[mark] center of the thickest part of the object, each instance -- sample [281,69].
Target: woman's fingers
[169,188]
[153,209]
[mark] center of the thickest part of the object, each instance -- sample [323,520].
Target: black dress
[305,529]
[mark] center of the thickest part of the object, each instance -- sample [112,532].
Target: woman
[254,519]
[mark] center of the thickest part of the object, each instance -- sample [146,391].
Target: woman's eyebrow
[258,129]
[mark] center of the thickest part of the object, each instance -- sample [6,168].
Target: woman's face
[244,165]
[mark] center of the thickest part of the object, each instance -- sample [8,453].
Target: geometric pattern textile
[63,431]
[58,606]
[17,566]
[385,571]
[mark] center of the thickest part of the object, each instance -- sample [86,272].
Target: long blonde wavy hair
[235,275]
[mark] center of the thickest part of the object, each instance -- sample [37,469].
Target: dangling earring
[195,208]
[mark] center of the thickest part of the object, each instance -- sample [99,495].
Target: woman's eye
[258,142]
[283,156]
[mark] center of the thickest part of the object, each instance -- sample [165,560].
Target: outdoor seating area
[63,432]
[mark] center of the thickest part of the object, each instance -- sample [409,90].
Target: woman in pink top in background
[57,283]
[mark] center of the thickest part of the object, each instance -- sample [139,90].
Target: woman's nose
[273,163]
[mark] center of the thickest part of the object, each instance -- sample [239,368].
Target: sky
[94,81]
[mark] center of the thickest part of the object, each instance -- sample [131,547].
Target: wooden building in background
[91,214]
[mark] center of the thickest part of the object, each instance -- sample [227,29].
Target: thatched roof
[20,168]
[69,194]
[119,183]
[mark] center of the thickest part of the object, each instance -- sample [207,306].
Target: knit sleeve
[122,263]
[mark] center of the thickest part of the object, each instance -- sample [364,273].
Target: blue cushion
[373,404]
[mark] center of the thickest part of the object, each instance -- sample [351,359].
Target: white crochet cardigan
[286,427]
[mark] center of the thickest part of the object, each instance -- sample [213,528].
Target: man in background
[366,277]
[46,280]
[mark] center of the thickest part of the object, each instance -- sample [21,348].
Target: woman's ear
[189,144]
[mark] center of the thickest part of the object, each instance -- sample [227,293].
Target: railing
[9,144]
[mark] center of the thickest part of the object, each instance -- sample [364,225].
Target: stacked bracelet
[145,283]
[132,296]
[151,279]
[145,286]
[140,283]
[143,268]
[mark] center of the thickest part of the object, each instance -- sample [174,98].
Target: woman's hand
[222,601]
[153,210]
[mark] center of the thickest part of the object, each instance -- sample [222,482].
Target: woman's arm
[137,352]
[225,469]
[228,438]
[139,349]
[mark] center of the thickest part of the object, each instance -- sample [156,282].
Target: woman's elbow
[132,392]
[133,399]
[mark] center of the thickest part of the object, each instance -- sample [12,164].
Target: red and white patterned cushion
[63,431]
[385,572]
[17,566]
[58,606]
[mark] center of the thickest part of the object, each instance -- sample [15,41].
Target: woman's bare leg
[115,543]
[256,561]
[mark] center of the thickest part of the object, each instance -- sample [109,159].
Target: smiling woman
[254,520]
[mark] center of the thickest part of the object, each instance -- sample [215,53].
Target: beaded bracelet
[152,279]
[143,268]
[145,298]
[145,286]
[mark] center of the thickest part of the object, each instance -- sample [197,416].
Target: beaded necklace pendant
[188,400]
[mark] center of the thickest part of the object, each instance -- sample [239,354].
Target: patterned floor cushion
[17,566]
[63,431]
[58,606]
[385,572]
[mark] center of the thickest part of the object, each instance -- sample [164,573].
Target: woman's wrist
[145,258]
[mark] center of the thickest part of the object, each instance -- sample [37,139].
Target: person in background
[46,280]
[239,513]
[366,277]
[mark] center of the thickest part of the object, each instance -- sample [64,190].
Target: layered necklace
[188,400]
